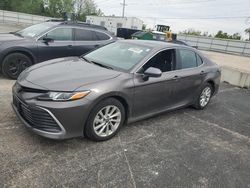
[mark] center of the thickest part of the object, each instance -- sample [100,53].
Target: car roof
[155,44]
[77,23]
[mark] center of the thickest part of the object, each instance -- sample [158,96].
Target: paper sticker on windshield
[31,34]
[136,50]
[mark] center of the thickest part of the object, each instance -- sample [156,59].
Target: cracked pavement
[183,148]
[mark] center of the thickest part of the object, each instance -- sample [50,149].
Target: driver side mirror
[152,72]
[47,40]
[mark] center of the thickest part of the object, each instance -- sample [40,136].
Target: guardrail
[21,18]
[216,44]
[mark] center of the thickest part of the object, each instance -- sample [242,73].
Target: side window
[102,36]
[164,61]
[188,59]
[60,34]
[199,60]
[84,35]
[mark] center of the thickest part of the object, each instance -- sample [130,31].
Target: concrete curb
[235,76]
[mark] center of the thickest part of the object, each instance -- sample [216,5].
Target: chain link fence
[20,18]
[215,44]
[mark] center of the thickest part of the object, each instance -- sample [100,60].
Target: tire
[14,63]
[204,97]
[107,115]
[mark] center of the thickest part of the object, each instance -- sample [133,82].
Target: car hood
[64,74]
[9,37]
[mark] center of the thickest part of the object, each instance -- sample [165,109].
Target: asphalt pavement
[183,148]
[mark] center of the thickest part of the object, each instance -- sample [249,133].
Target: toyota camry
[126,81]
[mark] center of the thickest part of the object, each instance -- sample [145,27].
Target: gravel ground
[184,148]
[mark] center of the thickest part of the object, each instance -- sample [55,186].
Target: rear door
[61,46]
[189,76]
[88,39]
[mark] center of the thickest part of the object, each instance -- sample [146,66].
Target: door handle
[176,78]
[70,46]
[96,46]
[202,72]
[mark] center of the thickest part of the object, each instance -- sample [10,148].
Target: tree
[26,6]
[221,34]
[86,7]
[52,8]
[55,8]
[247,31]
[191,32]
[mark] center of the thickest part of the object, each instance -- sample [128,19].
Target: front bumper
[67,117]
[52,135]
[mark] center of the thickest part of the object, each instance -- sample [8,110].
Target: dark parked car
[128,80]
[48,40]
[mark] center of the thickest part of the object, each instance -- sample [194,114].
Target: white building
[113,22]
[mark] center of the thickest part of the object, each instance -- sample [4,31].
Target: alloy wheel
[107,120]
[205,96]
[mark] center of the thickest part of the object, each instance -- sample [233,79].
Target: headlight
[63,96]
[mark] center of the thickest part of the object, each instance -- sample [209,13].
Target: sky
[210,16]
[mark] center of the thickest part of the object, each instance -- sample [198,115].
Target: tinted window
[163,61]
[84,35]
[102,36]
[188,59]
[60,34]
[199,60]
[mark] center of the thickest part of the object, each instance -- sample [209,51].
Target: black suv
[48,40]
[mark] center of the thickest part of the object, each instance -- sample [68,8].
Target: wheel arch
[18,50]
[212,83]
[118,96]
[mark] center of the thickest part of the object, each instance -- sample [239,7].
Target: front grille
[36,117]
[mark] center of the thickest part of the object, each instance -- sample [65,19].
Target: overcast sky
[230,16]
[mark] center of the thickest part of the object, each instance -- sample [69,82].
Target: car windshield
[119,55]
[35,30]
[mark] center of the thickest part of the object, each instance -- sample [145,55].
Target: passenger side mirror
[152,72]
[47,40]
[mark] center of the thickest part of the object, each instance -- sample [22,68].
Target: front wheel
[14,63]
[204,97]
[105,120]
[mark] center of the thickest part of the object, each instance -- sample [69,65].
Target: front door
[155,94]
[60,46]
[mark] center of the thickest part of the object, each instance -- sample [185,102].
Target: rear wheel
[13,64]
[204,97]
[105,120]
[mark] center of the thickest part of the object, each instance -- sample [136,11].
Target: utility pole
[123,8]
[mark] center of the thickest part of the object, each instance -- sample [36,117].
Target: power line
[173,3]
[204,18]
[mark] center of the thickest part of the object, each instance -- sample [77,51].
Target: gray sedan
[126,81]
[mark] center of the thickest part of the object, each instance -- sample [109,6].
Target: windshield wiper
[17,34]
[99,64]
[85,59]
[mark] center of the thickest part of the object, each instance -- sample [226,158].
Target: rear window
[84,35]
